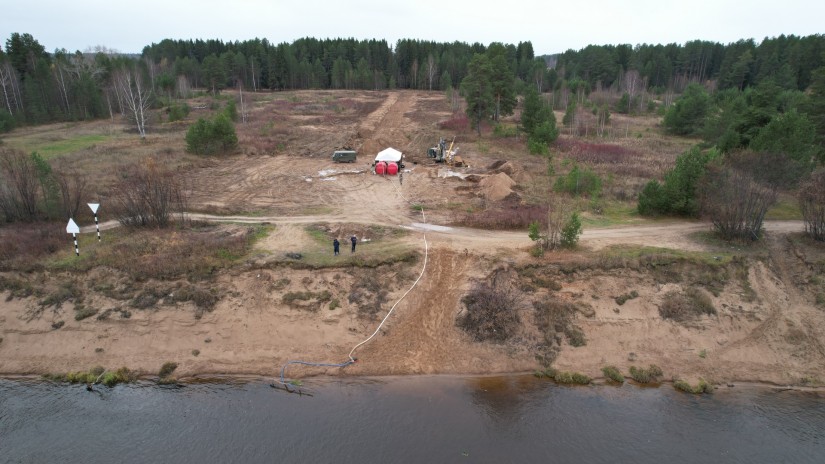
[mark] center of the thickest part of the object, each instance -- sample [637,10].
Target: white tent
[388,154]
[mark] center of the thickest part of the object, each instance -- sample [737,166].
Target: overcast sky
[552,26]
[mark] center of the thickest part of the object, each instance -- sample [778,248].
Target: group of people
[336,245]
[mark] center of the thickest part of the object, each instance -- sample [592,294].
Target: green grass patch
[566,378]
[574,378]
[613,374]
[649,375]
[383,248]
[614,213]
[663,256]
[55,148]
[701,387]
[97,374]
[786,209]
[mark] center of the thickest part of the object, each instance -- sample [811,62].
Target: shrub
[7,121]
[212,137]
[612,373]
[167,368]
[178,112]
[18,186]
[572,378]
[575,336]
[491,311]
[83,312]
[735,202]
[505,131]
[677,195]
[149,196]
[536,147]
[701,387]
[571,231]
[812,203]
[621,299]
[579,181]
[687,306]
[642,375]
[108,378]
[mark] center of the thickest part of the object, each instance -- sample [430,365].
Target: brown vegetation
[812,204]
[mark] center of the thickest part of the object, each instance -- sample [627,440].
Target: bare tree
[20,185]
[243,107]
[184,89]
[135,96]
[632,84]
[432,70]
[61,64]
[812,203]
[73,187]
[149,196]
[11,87]
[549,235]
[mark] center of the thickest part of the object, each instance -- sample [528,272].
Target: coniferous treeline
[790,60]
[38,87]
[328,63]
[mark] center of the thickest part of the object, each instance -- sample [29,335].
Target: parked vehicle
[344,156]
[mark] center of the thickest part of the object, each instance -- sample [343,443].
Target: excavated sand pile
[496,187]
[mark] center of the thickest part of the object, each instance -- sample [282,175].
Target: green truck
[344,156]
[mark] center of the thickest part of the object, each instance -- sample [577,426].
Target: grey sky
[551,26]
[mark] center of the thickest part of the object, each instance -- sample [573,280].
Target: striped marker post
[94,207]
[72,228]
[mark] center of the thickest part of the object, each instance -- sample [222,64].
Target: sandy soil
[775,338]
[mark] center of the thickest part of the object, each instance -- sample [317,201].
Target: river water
[407,420]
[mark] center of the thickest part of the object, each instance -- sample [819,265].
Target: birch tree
[135,96]
[432,70]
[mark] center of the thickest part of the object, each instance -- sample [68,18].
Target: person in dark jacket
[336,245]
[354,241]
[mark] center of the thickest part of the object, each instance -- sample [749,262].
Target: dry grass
[164,254]
[23,246]
[505,216]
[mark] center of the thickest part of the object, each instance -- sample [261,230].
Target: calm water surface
[407,420]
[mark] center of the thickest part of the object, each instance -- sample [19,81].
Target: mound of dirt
[496,187]
[505,167]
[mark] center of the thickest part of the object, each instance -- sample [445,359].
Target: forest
[39,86]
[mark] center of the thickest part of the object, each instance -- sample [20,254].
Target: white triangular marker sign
[71,227]
[94,207]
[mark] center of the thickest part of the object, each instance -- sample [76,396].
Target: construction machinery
[442,154]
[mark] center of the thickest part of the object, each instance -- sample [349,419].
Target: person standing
[354,241]
[336,245]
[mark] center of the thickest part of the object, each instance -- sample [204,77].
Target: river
[406,420]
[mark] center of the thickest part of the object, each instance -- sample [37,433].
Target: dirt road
[253,331]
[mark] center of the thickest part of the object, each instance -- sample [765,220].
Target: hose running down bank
[352,360]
